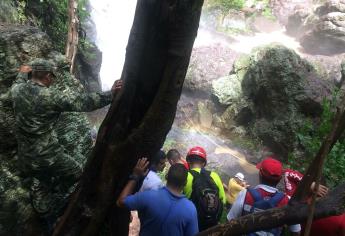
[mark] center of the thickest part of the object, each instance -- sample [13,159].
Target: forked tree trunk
[139,119]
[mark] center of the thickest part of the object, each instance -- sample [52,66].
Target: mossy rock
[272,92]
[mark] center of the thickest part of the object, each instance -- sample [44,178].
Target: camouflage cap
[42,65]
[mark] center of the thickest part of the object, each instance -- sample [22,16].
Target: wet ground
[222,156]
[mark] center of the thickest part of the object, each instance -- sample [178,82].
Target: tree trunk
[139,119]
[334,204]
[72,36]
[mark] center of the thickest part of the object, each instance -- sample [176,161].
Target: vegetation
[226,5]
[310,139]
[50,15]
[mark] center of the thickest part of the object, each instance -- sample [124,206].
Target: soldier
[50,173]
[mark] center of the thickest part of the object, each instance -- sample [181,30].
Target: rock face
[321,31]
[201,72]
[7,12]
[278,91]
[19,45]
[283,8]
[88,63]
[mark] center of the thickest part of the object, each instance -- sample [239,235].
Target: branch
[334,204]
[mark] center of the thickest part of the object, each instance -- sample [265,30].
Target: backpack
[260,204]
[205,196]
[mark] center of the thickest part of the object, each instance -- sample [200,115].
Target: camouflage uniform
[51,174]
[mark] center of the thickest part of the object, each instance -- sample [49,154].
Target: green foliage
[226,5]
[267,12]
[311,138]
[50,15]
[12,11]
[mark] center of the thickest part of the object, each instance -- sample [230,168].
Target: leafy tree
[227,5]
[310,139]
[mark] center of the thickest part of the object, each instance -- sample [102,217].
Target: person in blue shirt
[165,211]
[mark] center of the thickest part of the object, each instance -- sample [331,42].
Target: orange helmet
[197,151]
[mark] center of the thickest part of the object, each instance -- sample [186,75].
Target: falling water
[113,20]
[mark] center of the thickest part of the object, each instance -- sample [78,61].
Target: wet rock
[321,31]
[88,65]
[202,72]
[328,35]
[280,90]
[282,9]
[228,89]
[205,114]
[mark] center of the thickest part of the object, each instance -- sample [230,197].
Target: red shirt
[291,180]
[330,226]
[185,164]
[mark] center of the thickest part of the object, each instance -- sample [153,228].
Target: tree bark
[72,36]
[334,204]
[139,119]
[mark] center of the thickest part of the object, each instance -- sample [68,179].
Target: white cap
[240,176]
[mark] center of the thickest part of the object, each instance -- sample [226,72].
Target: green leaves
[310,138]
[51,16]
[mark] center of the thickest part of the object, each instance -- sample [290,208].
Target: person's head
[173,156]
[270,171]
[158,161]
[239,177]
[43,71]
[196,157]
[177,176]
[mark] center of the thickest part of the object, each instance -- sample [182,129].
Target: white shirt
[151,182]
[237,207]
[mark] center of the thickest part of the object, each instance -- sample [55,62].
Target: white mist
[113,20]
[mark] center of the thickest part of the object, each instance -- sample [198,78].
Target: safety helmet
[197,151]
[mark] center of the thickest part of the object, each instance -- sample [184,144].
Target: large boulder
[321,31]
[283,8]
[202,72]
[19,45]
[279,91]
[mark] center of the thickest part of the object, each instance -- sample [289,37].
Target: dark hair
[195,158]
[39,74]
[273,182]
[177,175]
[160,155]
[173,154]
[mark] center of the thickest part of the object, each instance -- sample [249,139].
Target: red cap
[197,151]
[270,168]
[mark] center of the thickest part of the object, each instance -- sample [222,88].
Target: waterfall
[113,20]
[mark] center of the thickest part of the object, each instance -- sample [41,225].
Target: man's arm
[74,101]
[139,171]
[237,207]
[23,73]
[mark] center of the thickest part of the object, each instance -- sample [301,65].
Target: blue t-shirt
[163,213]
